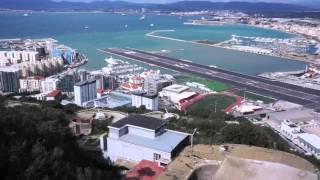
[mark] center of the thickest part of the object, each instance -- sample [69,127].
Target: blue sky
[166,1]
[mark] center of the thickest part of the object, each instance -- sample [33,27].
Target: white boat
[151,25]
[123,14]
[120,68]
[126,26]
[26,15]
[86,27]
[142,17]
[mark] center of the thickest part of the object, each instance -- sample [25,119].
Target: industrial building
[85,91]
[141,98]
[138,137]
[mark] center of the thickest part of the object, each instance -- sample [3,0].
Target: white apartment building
[15,57]
[141,98]
[30,84]
[85,91]
[49,84]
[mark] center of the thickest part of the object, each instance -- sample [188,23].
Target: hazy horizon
[170,1]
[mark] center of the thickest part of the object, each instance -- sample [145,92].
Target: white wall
[119,149]
[150,104]
[141,132]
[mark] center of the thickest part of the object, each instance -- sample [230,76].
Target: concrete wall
[141,132]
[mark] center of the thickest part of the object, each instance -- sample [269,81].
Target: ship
[142,17]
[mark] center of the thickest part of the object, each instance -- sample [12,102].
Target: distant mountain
[178,6]
[239,6]
[309,3]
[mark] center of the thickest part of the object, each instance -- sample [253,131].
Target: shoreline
[152,34]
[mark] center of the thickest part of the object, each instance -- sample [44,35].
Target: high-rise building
[141,98]
[67,81]
[85,91]
[9,79]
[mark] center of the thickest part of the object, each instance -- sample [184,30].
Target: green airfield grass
[213,85]
[255,97]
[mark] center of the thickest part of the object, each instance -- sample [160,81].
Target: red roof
[145,170]
[37,77]
[137,78]
[129,86]
[54,93]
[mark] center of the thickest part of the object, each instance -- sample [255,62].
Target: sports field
[208,103]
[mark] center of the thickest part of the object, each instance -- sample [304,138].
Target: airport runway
[279,90]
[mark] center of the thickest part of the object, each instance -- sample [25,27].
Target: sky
[166,1]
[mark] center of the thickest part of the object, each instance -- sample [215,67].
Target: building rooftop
[54,93]
[139,121]
[311,139]
[166,142]
[176,88]
[85,82]
[293,115]
[145,94]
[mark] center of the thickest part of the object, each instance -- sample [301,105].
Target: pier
[264,86]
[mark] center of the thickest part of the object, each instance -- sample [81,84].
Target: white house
[290,129]
[138,137]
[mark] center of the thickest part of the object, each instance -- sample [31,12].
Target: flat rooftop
[85,82]
[312,139]
[166,142]
[145,94]
[176,88]
[139,121]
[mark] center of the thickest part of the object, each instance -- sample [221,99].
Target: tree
[36,143]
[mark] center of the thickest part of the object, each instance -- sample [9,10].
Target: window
[156,156]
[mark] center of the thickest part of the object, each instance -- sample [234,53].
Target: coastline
[152,34]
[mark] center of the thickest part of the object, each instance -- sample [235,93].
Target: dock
[260,85]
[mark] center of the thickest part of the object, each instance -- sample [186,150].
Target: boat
[142,17]
[86,27]
[123,14]
[151,25]
[120,68]
[26,15]
[126,26]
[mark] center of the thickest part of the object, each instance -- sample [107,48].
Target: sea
[89,31]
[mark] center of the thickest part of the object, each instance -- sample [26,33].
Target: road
[280,90]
